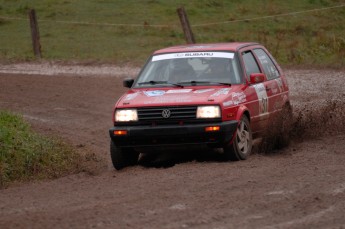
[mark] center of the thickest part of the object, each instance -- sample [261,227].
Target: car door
[259,107]
[273,84]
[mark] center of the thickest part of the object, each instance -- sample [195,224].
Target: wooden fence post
[35,34]
[185,25]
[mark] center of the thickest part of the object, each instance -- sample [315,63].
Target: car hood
[175,96]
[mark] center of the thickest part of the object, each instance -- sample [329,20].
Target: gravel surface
[54,69]
[302,186]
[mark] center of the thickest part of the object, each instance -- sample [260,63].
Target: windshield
[190,68]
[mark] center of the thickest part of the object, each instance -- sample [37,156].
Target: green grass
[310,38]
[26,155]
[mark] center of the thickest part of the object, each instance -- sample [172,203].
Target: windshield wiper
[229,84]
[193,82]
[152,82]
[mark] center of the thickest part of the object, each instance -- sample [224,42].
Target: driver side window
[249,63]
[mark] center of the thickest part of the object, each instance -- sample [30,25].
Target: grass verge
[124,31]
[26,155]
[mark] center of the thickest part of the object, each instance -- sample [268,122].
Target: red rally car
[221,95]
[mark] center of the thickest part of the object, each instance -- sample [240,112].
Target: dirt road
[302,186]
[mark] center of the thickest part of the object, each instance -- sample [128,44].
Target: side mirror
[128,82]
[257,78]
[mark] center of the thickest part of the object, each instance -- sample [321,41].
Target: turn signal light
[212,128]
[120,132]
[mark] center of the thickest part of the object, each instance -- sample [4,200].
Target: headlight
[126,115]
[208,112]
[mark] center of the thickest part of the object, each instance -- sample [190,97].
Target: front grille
[176,113]
[179,115]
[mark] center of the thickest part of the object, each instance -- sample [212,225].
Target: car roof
[231,46]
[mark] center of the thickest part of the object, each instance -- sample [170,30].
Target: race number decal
[264,105]
[262,97]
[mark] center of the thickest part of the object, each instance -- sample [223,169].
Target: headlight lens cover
[208,112]
[126,115]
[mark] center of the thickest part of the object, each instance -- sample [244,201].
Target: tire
[122,157]
[241,146]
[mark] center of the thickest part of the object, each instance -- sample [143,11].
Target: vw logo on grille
[166,113]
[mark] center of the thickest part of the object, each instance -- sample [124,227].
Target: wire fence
[176,25]
[69,36]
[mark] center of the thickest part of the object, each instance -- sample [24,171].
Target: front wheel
[122,157]
[242,144]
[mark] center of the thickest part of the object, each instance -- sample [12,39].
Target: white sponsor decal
[203,90]
[262,96]
[177,91]
[237,98]
[192,54]
[223,91]
[228,103]
[154,93]
[131,96]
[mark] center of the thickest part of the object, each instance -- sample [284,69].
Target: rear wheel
[122,157]
[242,144]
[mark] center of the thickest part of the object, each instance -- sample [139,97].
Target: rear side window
[249,63]
[267,64]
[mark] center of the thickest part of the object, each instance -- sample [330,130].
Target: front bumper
[168,135]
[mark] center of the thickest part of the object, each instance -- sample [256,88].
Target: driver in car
[182,71]
[218,69]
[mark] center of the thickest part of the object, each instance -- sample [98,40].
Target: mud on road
[302,186]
